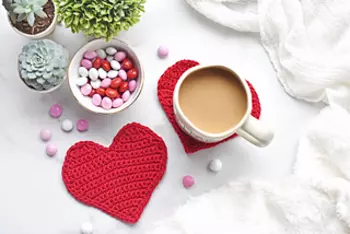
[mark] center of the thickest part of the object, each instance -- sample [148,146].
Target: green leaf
[31,19]
[41,13]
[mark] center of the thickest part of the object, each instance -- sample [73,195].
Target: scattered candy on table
[67,125]
[56,110]
[163,51]
[108,77]
[188,181]
[82,125]
[51,149]
[45,134]
[215,165]
[86,228]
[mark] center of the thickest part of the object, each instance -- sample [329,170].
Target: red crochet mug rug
[118,179]
[166,86]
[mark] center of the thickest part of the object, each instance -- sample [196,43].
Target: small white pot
[45,33]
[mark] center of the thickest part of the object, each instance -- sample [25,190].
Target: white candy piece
[101,53]
[102,73]
[67,125]
[86,228]
[115,65]
[93,74]
[111,50]
[109,58]
[95,84]
[215,165]
[81,81]
[112,74]
[83,71]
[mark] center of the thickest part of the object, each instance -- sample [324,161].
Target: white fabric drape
[307,41]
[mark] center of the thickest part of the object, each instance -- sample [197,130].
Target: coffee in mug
[212,103]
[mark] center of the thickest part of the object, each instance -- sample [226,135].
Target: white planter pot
[45,33]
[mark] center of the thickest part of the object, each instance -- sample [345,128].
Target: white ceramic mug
[250,128]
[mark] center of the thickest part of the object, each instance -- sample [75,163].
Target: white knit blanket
[314,200]
[307,41]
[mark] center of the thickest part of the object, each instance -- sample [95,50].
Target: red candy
[123,87]
[112,93]
[97,63]
[127,64]
[132,74]
[101,91]
[106,65]
[116,83]
[93,91]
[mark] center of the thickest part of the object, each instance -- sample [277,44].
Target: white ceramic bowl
[73,74]
[44,33]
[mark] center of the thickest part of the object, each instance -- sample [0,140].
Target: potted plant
[31,18]
[42,65]
[99,18]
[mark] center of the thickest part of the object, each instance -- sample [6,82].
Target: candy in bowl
[105,77]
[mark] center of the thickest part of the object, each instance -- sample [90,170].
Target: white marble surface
[32,196]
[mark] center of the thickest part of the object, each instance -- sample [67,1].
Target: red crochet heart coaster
[120,179]
[166,86]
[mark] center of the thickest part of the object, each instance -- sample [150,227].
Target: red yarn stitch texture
[120,179]
[166,86]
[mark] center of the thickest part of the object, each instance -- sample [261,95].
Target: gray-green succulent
[43,64]
[28,9]
[99,18]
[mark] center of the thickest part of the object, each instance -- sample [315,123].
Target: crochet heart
[120,179]
[166,86]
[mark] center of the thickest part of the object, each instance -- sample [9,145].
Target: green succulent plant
[43,64]
[27,9]
[99,18]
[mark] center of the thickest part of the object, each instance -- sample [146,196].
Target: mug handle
[254,131]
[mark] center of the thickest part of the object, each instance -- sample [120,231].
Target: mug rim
[179,111]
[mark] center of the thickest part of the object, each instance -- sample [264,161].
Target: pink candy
[90,55]
[96,99]
[118,102]
[126,95]
[86,63]
[51,149]
[188,181]
[132,85]
[163,51]
[106,83]
[107,103]
[45,134]
[120,56]
[56,110]
[86,89]
[122,74]
[82,125]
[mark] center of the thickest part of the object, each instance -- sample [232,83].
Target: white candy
[111,50]
[101,53]
[112,74]
[86,228]
[115,65]
[215,165]
[67,125]
[96,84]
[81,81]
[93,74]
[102,73]
[83,72]
[109,58]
